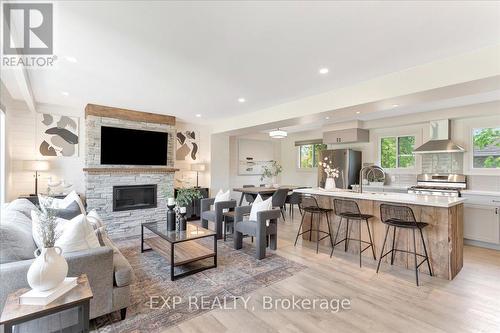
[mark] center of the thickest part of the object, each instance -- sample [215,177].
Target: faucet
[361,178]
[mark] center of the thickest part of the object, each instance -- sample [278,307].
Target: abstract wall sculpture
[57,135]
[187,146]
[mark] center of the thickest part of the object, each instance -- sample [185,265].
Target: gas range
[448,185]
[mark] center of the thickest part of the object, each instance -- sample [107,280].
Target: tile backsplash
[443,163]
[483,183]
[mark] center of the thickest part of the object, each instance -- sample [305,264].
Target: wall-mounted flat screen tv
[123,146]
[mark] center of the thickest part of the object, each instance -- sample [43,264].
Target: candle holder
[182,220]
[170,218]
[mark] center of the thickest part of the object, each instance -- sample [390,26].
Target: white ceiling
[194,58]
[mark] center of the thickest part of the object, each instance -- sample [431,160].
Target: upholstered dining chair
[250,198]
[279,198]
[260,229]
[215,215]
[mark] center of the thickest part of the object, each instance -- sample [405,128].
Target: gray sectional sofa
[109,272]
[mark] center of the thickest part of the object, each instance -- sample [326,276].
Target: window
[397,152]
[3,137]
[309,155]
[486,148]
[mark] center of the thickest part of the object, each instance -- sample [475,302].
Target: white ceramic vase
[330,183]
[48,270]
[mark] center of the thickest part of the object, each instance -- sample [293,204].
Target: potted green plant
[184,198]
[271,172]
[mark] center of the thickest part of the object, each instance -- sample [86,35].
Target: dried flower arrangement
[48,223]
[328,168]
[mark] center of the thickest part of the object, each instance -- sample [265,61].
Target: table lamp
[36,166]
[198,167]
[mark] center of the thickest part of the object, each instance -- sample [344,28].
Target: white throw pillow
[222,196]
[257,200]
[259,207]
[76,234]
[95,220]
[64,203]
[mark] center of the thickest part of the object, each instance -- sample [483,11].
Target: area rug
[237,274]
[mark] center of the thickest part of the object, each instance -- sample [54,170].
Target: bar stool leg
[359,228]
[347,233]
[415,255]
[300,228]
[318,223]
[329,228]
[425,251]
[336,235]
[383,246]
[393,242]
[371,241]
[310,232]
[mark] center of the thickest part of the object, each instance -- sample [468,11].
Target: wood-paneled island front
[443,235]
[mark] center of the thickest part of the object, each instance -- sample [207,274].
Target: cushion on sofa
[75,235]
[16,241]
[23,206]
[71,211]
[63,203]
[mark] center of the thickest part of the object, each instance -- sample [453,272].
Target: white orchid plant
[328,168]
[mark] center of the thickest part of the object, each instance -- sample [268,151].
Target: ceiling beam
[19,77]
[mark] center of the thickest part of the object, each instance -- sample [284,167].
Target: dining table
[262,190]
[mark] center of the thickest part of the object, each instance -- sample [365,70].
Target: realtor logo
[27,28]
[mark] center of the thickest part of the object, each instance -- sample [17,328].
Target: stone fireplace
[126,196]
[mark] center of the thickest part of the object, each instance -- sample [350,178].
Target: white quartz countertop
[402,198]
[480,192]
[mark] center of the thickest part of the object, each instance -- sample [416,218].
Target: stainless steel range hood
[440,141]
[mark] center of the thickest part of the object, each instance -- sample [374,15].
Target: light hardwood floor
[387,302]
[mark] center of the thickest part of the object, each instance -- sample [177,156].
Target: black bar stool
[402,217]
[309,204]
[349,210]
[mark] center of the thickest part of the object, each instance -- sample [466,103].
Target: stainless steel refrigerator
[348,162]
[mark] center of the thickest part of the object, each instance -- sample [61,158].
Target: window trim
[397,168]
[472,169]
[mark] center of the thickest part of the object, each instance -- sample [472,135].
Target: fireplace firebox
[134,197]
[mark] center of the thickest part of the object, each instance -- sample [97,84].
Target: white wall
[21,132]
[236,180]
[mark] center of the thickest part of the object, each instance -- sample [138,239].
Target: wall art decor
[57,135]
[253,155]
[187,146]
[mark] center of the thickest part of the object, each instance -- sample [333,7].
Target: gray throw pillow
[23,206]
[16,240]
[67,213]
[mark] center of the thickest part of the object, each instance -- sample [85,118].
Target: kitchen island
[443,235]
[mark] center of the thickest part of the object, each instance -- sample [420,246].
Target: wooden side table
[78,298]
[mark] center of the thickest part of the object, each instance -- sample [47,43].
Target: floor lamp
[198,167]
[36,166]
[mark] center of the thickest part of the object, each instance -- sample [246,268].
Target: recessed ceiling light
[358,112]
[64,93]
[395,105]
[327,117]
[71,59]
[197,115]
[323,70]
[241,100]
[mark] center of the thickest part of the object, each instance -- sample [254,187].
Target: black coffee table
[180,247]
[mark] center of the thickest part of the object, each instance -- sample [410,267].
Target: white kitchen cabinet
[346,136]
[482,223]
[482,218]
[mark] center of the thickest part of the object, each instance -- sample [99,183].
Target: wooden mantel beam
[118,113]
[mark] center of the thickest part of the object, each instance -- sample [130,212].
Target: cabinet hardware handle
[496,211]
[495,200]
